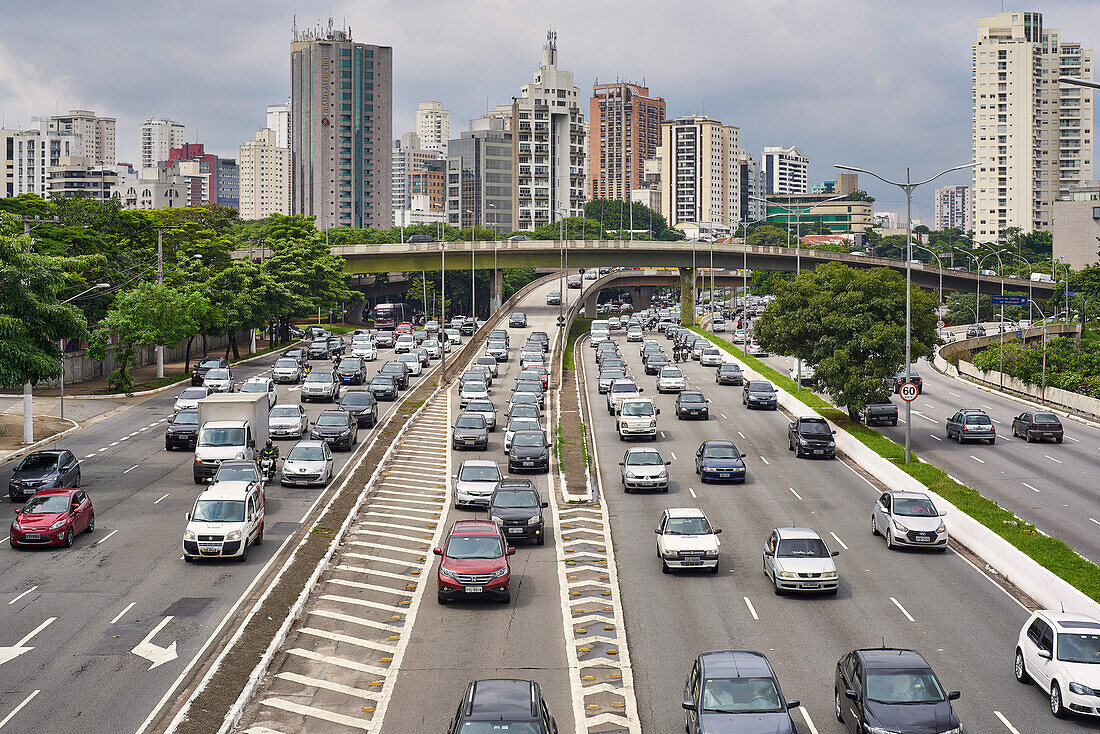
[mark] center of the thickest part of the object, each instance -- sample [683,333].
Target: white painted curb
[16,453]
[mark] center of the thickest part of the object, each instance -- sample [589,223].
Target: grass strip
[579,326]
[1051,553]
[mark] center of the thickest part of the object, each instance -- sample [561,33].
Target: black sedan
[899,380]
[398,371]
[362,406]
[337,428]
[654,363]
[692,404]
[383,387]
[719,461]
[759,394]
[729,373]
[891,690]
[735,691]
[529,451]
[56,469]
[1037,427]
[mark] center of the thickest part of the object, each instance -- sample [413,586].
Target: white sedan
[670,379]
[365,349]
[412,361]
[710,357]
[758,351]
[685,539]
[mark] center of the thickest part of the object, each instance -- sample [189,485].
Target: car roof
[892,658]
[515,483]
[474,526]
[907,494]
[234,490]
[735,664]
[813,419]
[478,462]
[496,700]
[48,452]
[642,450]
[309,444]
[797,533]
[717,442]
[58,492]
[685,512]
[1071,621]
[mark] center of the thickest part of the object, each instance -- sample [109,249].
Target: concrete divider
[1049,590]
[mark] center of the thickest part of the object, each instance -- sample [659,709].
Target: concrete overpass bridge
[490,255]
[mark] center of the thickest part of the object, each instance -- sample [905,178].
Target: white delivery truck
[230,425]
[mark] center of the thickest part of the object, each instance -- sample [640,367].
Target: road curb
[16,453]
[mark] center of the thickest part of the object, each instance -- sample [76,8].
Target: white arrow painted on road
[154,653]
[11,653]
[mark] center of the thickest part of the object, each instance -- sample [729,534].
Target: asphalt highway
[75,615]
[939,604]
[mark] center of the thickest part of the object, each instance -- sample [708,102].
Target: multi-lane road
[74,616]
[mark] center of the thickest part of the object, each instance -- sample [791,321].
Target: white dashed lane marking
[22,595]
[692,493]
[903,610]
[975,458]
[1029,486]
[752,609]
[765,461]
[123,612]
[157,502]
[935,437]
[838,540]
[105,537]
[796,494]
[740,434]
[673,455]
[1056,461]
[1006,722]
[127,471]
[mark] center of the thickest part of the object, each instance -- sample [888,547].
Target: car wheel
[187,558]
[992,440]
[778,591]
[91,524]
[665,568]
[1027,436]
[441,599]
[69,537]
[541,539]
[874,528]
[244,551]
[894,422]
[1056,706]
[836,706]
[890,540]
[1019,669]
[1058,440]
[259,536]
[714,569]
[959,437]
[790,444]
[507,598]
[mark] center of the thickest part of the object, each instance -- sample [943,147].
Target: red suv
[474,562]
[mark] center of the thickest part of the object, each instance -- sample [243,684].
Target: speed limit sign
[908,392]
[940,324]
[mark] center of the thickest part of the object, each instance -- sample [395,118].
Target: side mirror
[544,504]
[793,703]
[511,550]
[437,550]
[954,695]
[622,463]
[835,554]
[641,389]
[657,530]
[668,463]
[850,695]
[717,531]
[688,705]
[834,433]
[188,515]
[943,513]
[791,425]
[658,411]
[1044,654]
[769,553]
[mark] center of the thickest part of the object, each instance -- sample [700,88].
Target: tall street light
[908,186]
[938,262]
[798,212]
[443,305]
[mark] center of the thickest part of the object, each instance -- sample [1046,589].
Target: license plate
[468,440]
[474,589]
[819,451]
[208,551]
[922,539]
[724,474]
[528,463]
[811,586]
[515,531]
[33,536]
[693,561]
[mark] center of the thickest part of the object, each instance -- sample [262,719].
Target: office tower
[278,119]
[752,185]
[479,181]
[433,125]
[549,146]
[408,156]
[1031,136]
[340,129]
[33,152]
[264,176]
[953,208]
[625,130]
[786,170]
[700,171]
[158,137]
[98,134]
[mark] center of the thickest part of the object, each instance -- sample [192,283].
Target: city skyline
[904,72]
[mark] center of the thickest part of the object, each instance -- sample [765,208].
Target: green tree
[576,228]
[849,324]
[32,320]
[312,276]
[144,316]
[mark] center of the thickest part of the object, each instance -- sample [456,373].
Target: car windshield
[638,408]
[286,364]
[524,424]
[193,393]
[692,397]
[527,439]
[381,382]
[520,398]
[38,462]
[513,500]
[285,411]
[644,458]
[761,387]
[49,505]
[496,345]
[356,398]
[904,687]
[524,411]
[350,363]
[671,372]
[306,453]
[814,428]
[687,526]
[480,406]
[237,473]
[470,421]
[479,473]
[186,417]
[802,548]
[320,377]
[474,546]
[473,386]
[914,507]
[977,420]
[254,387]
[624,387]
[740,695]
[217,375]
[208,363]
[1078,648]
[320,343]
[611,375]
[1045,418]
[218,511]
[721,452]
[332,419]
[710,350]
[221,437]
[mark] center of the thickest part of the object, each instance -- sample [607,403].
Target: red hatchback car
[52,517]
[474,562]
[405,328]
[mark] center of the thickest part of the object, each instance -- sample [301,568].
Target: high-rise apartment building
[549,146]
[34,152]
[1031,136]
[953,207]
[340,129]
[625,130]
[98,134]
[433,125]
[480,184]
[700,171]
[78,176]
[786,170]
[278,119]
[752,188]
[223,183]
[158,137]
[408,156]
[264,176]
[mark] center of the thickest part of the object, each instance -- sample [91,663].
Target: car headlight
[829,575]
[877,730]
[631,475]
[941,529]
[15,525]
[448,573]
[711,554]
[1081,690]
[345,432]
[671,555]
[788,575]
[653,424]
[663,475]
[497,520]
[235,535]
[956,730]
[58,524]
[502,571]
[534,520]
[900,528]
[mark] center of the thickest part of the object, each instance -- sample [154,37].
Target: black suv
[811,437]
[398,371]
[210,363]
[529,450]
[467,327]
[361,405]
[318,349]
[349,370]
[337,428]
[183,430]
[517,507]
[500,704]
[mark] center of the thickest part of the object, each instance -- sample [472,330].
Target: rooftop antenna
[294,26]
[884,642]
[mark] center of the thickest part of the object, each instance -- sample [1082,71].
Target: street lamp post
[1066,288]
[908,186]
[938,262]
[1043,399]
[494,304]
[1001,323]
[443,307]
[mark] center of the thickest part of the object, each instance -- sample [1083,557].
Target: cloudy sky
[880,84]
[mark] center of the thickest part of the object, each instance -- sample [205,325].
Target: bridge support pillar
[642,296]
[590,304]
[687,297]
[496,290]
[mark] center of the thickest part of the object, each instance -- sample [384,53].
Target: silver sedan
[797,559]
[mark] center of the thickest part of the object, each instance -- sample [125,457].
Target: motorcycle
[268,467]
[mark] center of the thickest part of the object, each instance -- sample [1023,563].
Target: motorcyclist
[306,368]
[270,451]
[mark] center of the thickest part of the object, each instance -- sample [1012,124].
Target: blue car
[735,691]
[759,394]
[719,461]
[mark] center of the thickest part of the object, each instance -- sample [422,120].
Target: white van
[636,418]
[220,440]
[226,519]
[599,331]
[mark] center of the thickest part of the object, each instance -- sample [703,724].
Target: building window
[1096,212]
[345,62]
